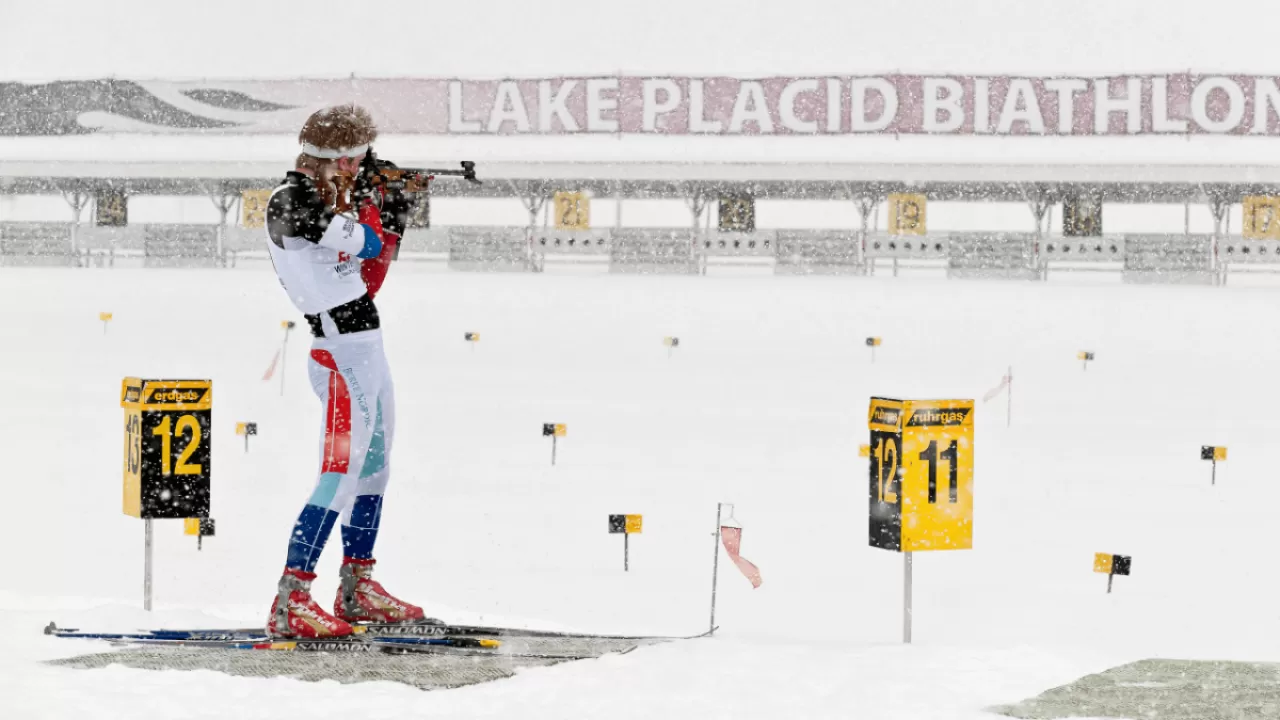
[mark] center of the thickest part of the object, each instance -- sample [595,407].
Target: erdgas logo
[179,396]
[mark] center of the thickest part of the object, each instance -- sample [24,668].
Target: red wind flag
[272,370]
[732,538]
[995,391]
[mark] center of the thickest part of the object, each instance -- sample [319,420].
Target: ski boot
[295,615]
[363,599]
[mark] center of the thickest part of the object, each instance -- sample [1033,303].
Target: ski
[420,629]
[342,644]
[470,647]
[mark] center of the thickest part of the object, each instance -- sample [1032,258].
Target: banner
[573,210]
[1261,219]
[1173,104]
[737,213]
[111,209]
[907,214]
[1082,216]
[253,208]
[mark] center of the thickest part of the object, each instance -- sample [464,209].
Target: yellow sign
[634,524]
[472,337]
[561,430]
[573,211]
[133,461]
[166,447]
[671,342]
[874,342]
[921,474]
[907,214]
[242,428]
[104,316]
[1102,563]
[1261,219]
[864,451]
[1219,454]
[253,208]
[191,526]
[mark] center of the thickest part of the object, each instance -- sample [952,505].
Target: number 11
[931,455]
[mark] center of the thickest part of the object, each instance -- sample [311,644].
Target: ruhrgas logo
[886,416]
[938,416]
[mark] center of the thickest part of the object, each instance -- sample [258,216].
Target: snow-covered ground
[763,404]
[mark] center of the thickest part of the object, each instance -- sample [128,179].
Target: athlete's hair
[333,128]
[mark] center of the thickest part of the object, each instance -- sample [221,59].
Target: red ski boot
[363,599]
[295,615]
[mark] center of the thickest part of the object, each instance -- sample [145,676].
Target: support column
[223,201]
[534,201]
[697,203]
[1038,201]
[77,199]
[867,205]
[1219,207]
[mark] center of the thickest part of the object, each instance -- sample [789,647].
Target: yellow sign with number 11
[921,474]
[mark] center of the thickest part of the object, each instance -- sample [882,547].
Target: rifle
[409,180]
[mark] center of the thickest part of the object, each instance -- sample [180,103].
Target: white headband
[327,154]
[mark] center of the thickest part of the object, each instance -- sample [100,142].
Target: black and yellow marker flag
[629,524]
[1111,566]
[1216,454]
[1108,564]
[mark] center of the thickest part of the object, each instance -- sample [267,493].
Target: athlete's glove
[365,186]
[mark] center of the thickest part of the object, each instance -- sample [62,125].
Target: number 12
[931,455]
[185,423]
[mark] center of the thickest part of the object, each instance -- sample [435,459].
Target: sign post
[555,431]
[1213,455]
[167,454]
[1111,566]
[246,429]
[201,528]
[921,481]
[626,525]
[287,326]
